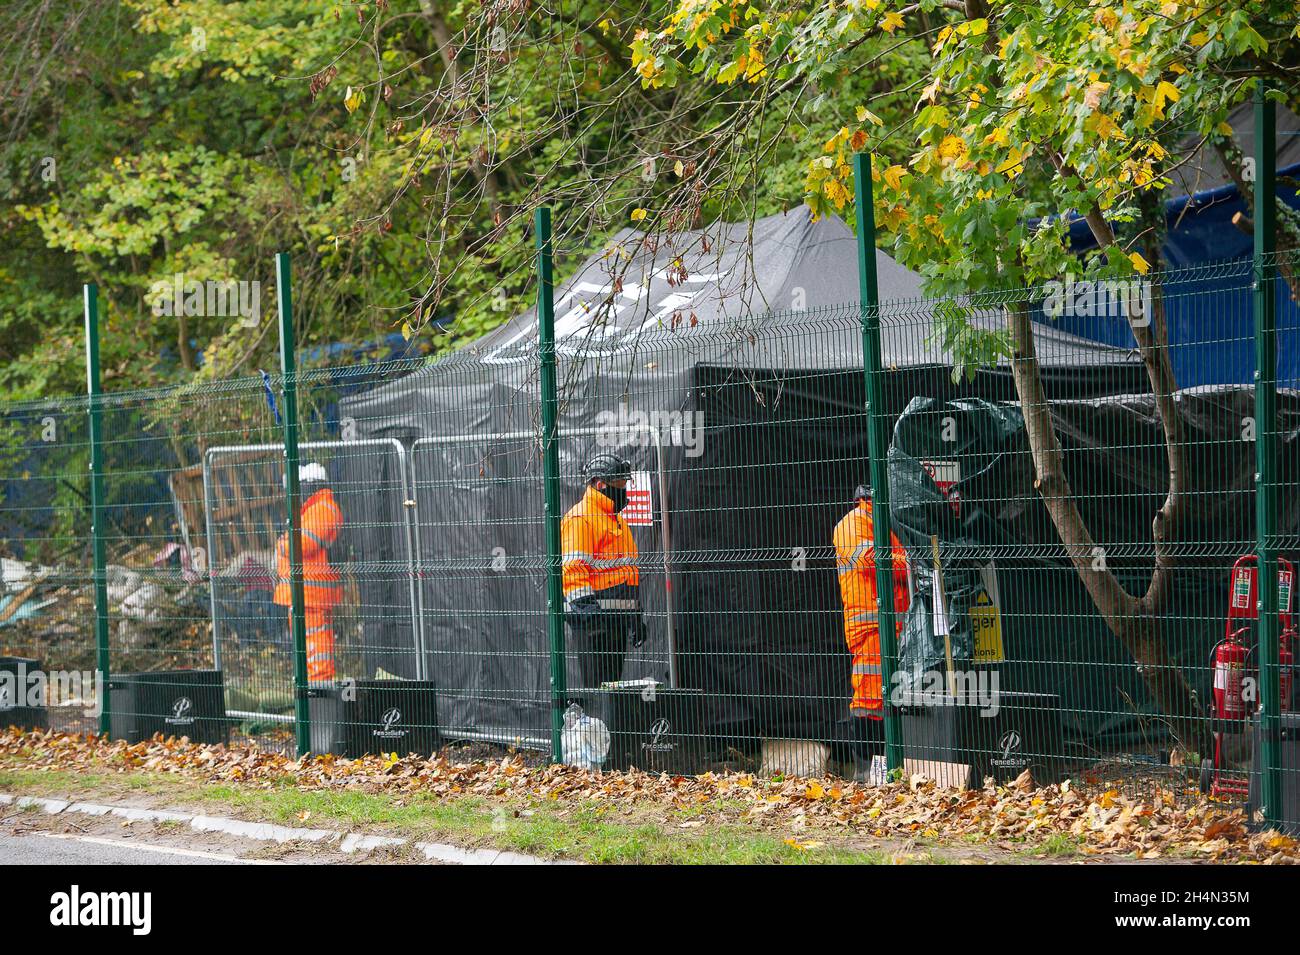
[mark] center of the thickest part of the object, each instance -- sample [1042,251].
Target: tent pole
[878,445]
[1265,314]
[551,476]
[293,503]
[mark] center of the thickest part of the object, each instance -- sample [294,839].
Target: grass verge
[594,834]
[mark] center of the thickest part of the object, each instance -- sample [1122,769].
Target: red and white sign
[946,475]
[640,508]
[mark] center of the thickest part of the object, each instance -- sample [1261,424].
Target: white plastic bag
[584,739]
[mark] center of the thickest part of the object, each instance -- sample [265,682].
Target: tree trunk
[1131,619]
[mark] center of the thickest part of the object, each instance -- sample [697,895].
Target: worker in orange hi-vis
[855,562]
[321,521]
[602,594]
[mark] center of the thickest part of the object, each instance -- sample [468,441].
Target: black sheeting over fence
[1054,639]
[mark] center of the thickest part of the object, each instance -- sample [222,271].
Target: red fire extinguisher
[1229,674]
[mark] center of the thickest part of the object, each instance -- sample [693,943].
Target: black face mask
[616,494]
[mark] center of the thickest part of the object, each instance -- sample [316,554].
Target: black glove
[638,631]
[582,609]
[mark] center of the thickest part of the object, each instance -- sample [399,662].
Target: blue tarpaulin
[1208,303]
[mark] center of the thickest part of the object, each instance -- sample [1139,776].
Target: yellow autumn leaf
[1014,159]
[892,21]
[1101,124]
[866,115]
[894,217]
[426,136]
[814,790]
[639,214]
[952,148]
[679,168]
[1139,263]
[794,843]
[836,193]
[894,176]
[998,137]
[1093,94]
[352,99]
[1165,92]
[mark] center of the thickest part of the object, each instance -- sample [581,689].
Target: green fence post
[878,445]
[1265,313]
[96,420]
[293,502]
[551,476]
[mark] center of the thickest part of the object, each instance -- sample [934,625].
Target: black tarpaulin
[1054,640]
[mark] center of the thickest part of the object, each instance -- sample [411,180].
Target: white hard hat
[312,472]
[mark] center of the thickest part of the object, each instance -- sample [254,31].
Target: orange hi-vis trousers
[320,644]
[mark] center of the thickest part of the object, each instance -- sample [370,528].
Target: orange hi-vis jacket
[321,521]
[855,561]
[599,552]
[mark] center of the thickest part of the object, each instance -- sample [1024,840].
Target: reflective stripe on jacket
[599,552]
[321,521]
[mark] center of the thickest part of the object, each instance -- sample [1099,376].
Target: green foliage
[1017,115]
[396,149]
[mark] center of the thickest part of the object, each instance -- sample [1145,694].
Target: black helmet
[606,466]
[862,492]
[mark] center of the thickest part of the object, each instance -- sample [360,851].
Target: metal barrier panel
[482,582]
[482,604]
[372,623]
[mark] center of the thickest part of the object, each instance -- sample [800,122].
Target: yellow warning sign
[986,625]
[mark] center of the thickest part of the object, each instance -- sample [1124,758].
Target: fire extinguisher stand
[1235,700]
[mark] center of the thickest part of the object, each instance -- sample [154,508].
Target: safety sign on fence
[639,511]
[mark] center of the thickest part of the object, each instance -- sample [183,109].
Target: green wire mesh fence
[1067,538]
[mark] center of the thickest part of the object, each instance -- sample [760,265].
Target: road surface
[43,848]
